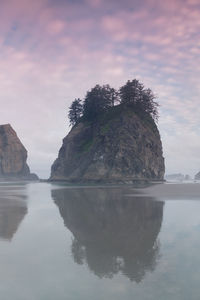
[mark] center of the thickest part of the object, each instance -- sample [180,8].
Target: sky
[53,51]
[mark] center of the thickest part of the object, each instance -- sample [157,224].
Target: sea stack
[13,156]
[197,176]
[120,146]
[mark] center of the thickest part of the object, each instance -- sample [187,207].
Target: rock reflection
[112,233]
[13,209]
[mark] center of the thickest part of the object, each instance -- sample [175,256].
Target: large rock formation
[121,146]
[13,156]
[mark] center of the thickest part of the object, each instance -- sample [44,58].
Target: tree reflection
[112,232]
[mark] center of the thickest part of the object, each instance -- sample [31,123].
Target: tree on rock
[75,111]
[133,94]
[147,103]
[98,100]
[130,93]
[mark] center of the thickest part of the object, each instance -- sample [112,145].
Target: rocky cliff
[121,146]
[13,156]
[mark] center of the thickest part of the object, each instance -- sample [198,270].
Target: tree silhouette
[133,94]
[98,100]
[75,111]
[102,98]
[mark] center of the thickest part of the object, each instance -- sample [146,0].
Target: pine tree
[130,93]
[98,100]
[133,94]
[75,111]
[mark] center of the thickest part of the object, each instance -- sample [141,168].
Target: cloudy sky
[52,51]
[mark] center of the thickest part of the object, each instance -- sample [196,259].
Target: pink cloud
[56,27]
[53,55]
[94,3]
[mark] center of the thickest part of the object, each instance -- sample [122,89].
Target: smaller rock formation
[13,156]
[197,176]
[187,177]
[175,177]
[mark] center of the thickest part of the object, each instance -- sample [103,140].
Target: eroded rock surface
[13,156]
[120,147]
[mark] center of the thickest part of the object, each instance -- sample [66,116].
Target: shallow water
[77,243]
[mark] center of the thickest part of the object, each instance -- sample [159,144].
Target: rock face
[120,147]
[13,156]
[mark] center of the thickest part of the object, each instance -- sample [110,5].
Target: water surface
[75,243]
